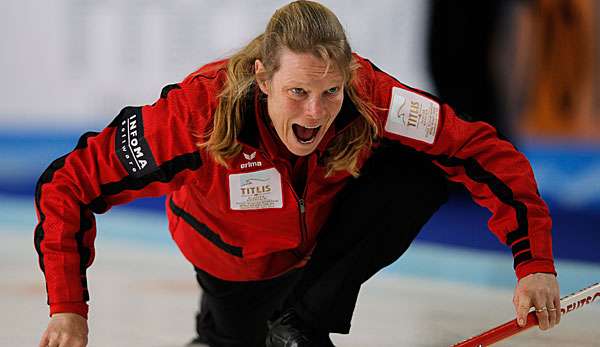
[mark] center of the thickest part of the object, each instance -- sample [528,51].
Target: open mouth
[305,135]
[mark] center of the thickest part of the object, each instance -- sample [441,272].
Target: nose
[315,107]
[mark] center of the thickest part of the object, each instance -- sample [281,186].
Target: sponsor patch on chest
[255,190]
[413,116]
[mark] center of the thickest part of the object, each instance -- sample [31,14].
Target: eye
[297,91]
[333,91]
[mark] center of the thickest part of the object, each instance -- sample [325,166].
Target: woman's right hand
[65,330]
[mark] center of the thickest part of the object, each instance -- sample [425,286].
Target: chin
[301,149]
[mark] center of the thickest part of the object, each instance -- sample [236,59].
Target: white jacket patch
[255,190]
[413,116]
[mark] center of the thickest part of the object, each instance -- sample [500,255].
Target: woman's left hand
[538,290]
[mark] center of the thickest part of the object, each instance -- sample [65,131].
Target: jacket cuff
[533,266]
[81,308]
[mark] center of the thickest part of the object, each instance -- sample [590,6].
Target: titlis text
[413,116]
[256,190]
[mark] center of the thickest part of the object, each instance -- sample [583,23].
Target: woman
[252,152]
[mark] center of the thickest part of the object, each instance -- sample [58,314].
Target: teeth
[307,142]
[313,128]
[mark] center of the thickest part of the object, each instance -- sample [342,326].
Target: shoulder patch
[131,146]
[412,115]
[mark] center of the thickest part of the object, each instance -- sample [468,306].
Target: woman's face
[303,99]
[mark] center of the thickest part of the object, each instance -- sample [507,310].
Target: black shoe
[290,331]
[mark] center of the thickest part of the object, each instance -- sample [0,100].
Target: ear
[259,73]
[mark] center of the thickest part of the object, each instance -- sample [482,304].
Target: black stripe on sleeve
[477,173]
[513,236]
[86,223]
[520,246]
[165,91]
[521,258]
[503,192]
[98,205]
[47,177]
[205,231]
[164,173]
[417,91]
[82,142]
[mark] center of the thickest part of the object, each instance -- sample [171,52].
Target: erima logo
[250,156]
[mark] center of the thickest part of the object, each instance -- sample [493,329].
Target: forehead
[306,68]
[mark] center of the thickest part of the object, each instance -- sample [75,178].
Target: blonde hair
[302,27]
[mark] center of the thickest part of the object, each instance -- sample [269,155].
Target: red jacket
[246,222]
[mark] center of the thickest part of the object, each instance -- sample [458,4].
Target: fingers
[522,306]
[45,341]
[65,343]
[53,341]
[551,315]
[56,340]
[557,307]
[71,342]
[65,330]
[50,339]
[540,291]
[543,317]
[547,310]
[554,307]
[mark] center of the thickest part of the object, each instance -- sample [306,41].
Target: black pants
[376,218]
[235,313]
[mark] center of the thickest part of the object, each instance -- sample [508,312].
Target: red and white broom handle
[568,304]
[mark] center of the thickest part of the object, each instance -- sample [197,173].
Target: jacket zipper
[303,230]
[302,210]
[301,206]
